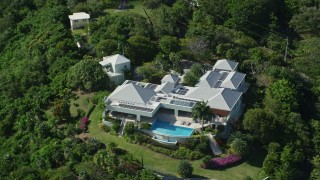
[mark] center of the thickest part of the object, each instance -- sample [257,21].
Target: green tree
[146,174]
[87,75]
[151,72]
[201,111]
[239,147]
[272,160]
[307,21]
[315,126]
[168,44]
[306,57]
[189,79]
[290,163]
[106,160]
[106,47]
[61,109]
[281,97]
[184,169]
[315,174]
[140,49]
[261,123]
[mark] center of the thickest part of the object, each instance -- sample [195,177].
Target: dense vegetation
[276,43]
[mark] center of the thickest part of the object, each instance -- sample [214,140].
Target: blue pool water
[165,128]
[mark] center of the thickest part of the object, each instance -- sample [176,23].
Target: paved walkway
[214,146]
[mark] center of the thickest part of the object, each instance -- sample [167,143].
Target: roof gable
[166,87]
[225,64]
[132,93]
[79,15]
[170,78]
[114,60]
[233,80]
[202,93]
[209,79]
[225,99]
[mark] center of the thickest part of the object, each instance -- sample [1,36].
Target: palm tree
[201,111]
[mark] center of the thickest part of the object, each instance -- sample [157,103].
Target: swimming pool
[165,128]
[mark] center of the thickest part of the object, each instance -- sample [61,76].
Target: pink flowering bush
[84,120]
[222,162]
[84,123]
[217,163]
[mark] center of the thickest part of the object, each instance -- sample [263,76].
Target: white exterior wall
[119,68]
[117,79]
[78,23]
[235,112]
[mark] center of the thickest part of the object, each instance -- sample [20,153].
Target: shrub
[115,128]
[184,153]
[224,162]
[239,147]
[220,128]
[184,169]
[191,143]
[104,127]
[152,4]
[145,126]
[81,113]
[203,147]
[206,160]
[129,129]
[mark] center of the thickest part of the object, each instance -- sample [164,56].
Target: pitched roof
[170,78]
[79,15]
[166,87]
[225,99]
[233,80]
[132,93]
[209,79]
[225,64]
[114,59]
[202,93]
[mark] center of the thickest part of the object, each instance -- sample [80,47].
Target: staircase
[214,146]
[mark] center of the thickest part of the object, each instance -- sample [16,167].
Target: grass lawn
[166,165]
[81,102]
[137,8]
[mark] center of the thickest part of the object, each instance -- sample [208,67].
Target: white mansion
[222,88]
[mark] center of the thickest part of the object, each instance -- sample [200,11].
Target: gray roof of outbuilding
[114,59]
[225,64]
[132,93]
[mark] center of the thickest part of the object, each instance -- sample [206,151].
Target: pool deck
[181,121]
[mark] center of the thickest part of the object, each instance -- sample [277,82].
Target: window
[125,66]
[76,21]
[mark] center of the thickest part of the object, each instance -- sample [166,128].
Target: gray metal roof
[170,78]
[233,80]
[114,59]
[225,64]
[225,99]
[209,79]
[79,15]
[166,87]
[202,93]
[132,93]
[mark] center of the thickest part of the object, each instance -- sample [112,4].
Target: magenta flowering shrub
[226,161]
[217,163]
[84,123]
